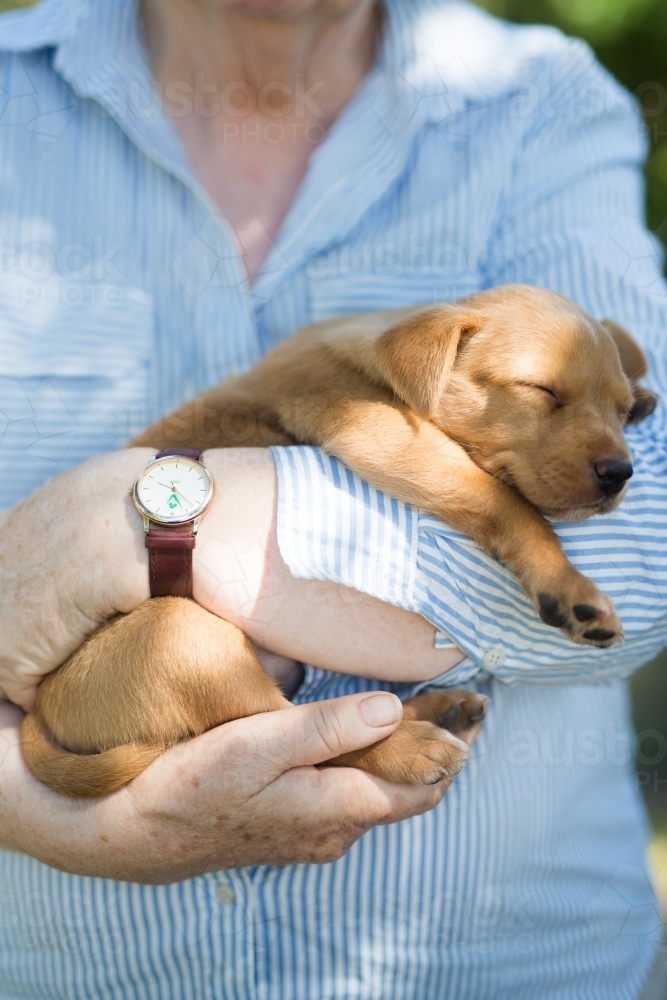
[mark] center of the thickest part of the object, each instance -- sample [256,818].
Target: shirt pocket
[74,376]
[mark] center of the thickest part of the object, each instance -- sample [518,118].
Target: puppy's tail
[83,775]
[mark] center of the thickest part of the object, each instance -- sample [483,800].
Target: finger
[326,812]
[11,758]
[324,825]
[351,799]
[317,732]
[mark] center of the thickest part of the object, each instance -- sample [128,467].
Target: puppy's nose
[612,474]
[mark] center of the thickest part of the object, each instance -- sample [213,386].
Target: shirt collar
[44,26]
[96,40]
[99,51]
[423,62]
[104,58]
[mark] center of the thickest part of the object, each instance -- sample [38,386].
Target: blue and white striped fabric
[474,154]
[333,526]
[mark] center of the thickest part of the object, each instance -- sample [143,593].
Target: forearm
[240,574]
[72,555]
[121,836]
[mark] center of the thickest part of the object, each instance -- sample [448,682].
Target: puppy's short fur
[483,412]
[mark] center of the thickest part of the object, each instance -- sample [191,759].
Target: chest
[124,292]
[252,168]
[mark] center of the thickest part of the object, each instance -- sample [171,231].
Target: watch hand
[174,489]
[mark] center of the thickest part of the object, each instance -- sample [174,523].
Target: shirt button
[494,657]
[225,894]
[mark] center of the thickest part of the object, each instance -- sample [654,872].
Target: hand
[246,793]
[71,555]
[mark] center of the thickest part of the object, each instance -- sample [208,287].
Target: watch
[172,493]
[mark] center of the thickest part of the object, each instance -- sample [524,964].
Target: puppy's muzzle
[612,474]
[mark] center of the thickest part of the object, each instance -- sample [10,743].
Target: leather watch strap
[170,548]
[170,560]
[184,452]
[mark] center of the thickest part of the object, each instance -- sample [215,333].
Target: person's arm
[72,555]
[240,574]
[571,220]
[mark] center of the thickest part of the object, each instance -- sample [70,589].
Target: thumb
[311,734]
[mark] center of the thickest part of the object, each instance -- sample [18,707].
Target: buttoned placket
[230,893]
[374,136]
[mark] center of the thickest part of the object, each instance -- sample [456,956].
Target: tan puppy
[484,412]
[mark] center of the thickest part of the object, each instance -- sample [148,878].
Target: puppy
[484,412]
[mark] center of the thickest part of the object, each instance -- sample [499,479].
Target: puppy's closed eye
[543,390]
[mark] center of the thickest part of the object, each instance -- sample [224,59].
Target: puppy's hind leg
[140,684]
[418,752]
[426,747]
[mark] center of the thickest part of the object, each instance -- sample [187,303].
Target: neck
[236,51]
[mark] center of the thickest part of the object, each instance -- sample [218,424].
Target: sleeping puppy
[485,412]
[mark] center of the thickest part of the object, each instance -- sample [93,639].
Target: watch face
[173,490]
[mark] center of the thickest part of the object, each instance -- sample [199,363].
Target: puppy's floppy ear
[635,366]
[417,355]
[633,358]
[644,404]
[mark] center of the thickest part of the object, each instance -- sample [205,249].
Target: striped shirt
[475,153]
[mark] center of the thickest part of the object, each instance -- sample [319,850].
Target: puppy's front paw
[575,605]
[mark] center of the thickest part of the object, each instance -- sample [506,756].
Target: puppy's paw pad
[551,611]
[585,612]
[476,712]
[600,629]
[472,709]
[455,709]
[599,634]
[450,717]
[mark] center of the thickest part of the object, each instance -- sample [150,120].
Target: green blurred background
[630,39]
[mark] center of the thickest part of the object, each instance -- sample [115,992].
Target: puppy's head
[534,389]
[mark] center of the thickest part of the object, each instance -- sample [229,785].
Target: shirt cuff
[334,526]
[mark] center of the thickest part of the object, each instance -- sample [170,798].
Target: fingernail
[381,709]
